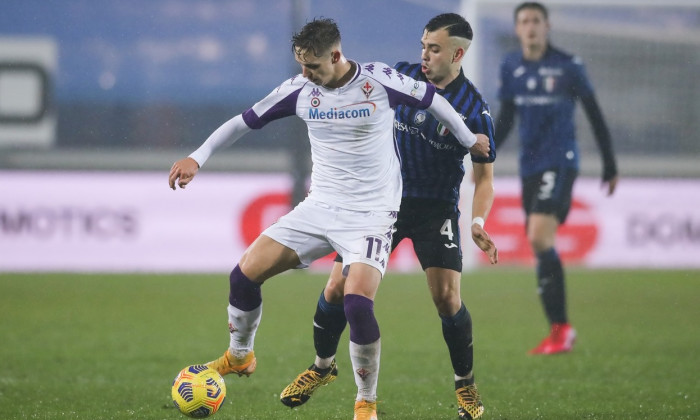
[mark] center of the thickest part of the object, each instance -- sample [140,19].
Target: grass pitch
[77,346]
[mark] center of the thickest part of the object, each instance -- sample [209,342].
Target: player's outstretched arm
[185,169]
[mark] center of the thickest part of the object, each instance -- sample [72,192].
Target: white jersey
[355,160]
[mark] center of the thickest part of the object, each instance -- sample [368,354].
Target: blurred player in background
[432,168]
[541,84]
[354,196]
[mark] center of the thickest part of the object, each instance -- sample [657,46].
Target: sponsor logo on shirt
[537,100]
[401,126]
[315,101]
[442,146]
[550,71]
[357,110]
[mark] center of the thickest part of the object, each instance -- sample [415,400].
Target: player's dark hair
[318,36]
[531,5]
[454,24]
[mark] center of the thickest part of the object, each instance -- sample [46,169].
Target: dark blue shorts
[549,192]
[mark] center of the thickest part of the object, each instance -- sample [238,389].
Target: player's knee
[333,293]
[447,304]
[539,243]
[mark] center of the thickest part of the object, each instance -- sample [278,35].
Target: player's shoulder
[382,73]
[295,82]
[376,69]
[564,57]
[512,58]
[412,70]
[511,61]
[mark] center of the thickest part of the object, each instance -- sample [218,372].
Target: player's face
[532,28]
[319,70]
[437,53]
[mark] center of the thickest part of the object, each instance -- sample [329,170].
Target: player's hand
[484,242]
[612,184]
[182,172]
[482,146]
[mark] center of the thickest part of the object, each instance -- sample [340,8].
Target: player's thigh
[303,230]
[549,192]
[335,286]
[437,241]
[363,237]
[265,258]
[362,279]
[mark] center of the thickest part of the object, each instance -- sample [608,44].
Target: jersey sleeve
[280,103]
[401,89]
[505,92]
[580,85]
[482,123]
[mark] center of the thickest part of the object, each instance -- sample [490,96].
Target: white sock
[324,363]
[468,377]
[243,325]
[365,363]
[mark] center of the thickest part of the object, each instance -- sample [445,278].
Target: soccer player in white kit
[354,195]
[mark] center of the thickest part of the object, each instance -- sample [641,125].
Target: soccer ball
[198,391]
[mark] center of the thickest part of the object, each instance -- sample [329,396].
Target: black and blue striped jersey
[544,95]
[432,160]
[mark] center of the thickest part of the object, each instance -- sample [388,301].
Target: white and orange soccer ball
[198,391]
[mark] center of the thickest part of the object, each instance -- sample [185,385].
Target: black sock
[329,323]
[550,281]
[457,331]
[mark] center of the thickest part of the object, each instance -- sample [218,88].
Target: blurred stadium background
[98,98]
[130,86]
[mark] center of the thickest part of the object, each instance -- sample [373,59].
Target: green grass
[108,346]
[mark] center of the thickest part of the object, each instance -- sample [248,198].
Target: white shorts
[314,229]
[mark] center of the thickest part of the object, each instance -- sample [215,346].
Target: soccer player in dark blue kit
[432,170]
[541,84]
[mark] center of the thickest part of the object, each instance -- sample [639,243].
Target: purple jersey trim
[284,108]
[358,71]
[397,98]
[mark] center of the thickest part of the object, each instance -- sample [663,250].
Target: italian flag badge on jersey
[442,130]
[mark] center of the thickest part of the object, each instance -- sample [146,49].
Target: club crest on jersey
[419,118]
[367,88]
[531,83]
[442,130]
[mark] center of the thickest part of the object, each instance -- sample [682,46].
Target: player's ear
[335,56]
[458,54]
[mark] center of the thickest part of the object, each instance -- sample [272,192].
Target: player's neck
[349,70]
[445,81]
[534,52]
